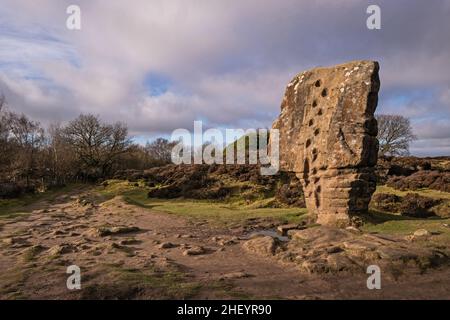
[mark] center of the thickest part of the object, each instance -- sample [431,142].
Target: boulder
[194,251]
[328,138]
[108,231]
[263,245]
[166,245]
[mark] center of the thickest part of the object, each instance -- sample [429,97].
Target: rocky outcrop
[324,249]
[328,138]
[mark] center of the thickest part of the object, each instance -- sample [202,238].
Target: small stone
[117,230]
[334,249]
[283,229]
[193,251]
[85,247]
[59,249]
[421,233]
[16,241]
[353,229]
[418,235]
[115,245]
[107,231]
[8,241]
[234,275]
[166,245]
[225,242]
[264,245]
[31,252]
[129,241]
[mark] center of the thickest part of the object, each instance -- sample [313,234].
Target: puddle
[269,232]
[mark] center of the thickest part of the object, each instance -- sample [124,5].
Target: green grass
[385,222]
[10,208]
[382,222]
[215,212]
[389,223]
[223,213]
[212,211]
[157,283]
[30,253]
[435,194]
[237,212]
[168,283]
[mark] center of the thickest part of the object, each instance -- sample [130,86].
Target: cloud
[224,63]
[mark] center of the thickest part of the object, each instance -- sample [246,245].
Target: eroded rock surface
[325,249]
[328,138]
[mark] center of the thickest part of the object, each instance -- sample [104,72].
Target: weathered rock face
[328,138]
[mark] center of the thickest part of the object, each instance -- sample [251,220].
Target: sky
[159,65]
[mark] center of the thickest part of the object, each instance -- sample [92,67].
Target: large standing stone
[328,138]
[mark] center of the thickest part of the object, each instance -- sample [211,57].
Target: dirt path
[125,251]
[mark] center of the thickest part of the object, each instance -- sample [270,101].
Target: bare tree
[2,101]
[61,156]
[394,134]
[27,137]
[97,145]
[159,151]
[3,126]
[4,145]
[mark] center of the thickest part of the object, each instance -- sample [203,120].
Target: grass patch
[30,253]
[435,194]
[386,223]
[389,223]
[12,281]
[163,284]
[214,212]
[218,212]
[236,212]
[224,213]
[10,208]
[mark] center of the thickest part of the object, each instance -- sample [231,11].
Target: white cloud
[227,63]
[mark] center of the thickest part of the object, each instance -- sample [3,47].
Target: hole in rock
[324,92]
[317,83]
[316,198]
[317,131]
[306,171]
[314,153]
[308,143]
